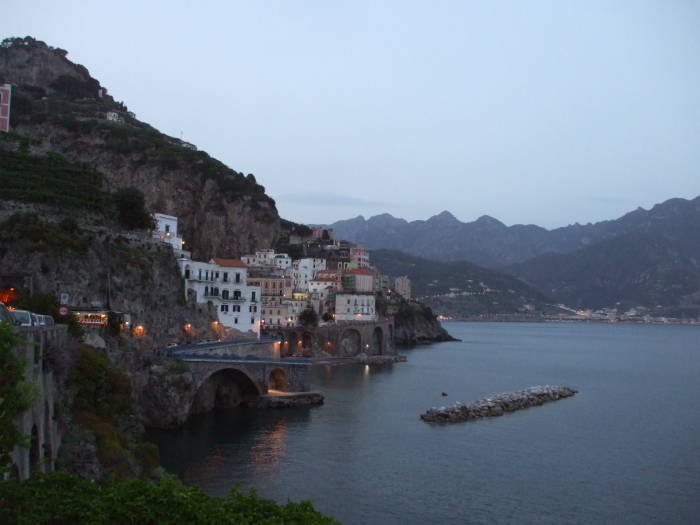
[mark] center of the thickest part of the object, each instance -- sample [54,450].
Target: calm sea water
[626,449]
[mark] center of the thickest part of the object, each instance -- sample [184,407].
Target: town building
[304,270]
[358,280]
[166,231]
[355,307]
[402,285]
[268,258]
[5,99]
[224,283]
[359,256]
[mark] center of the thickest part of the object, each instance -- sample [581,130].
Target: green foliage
[131,207]
[101,389]
[65,498]
[50,179]
[16,394]
[147,455]
[308,317]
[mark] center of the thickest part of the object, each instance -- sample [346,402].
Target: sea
[625,449]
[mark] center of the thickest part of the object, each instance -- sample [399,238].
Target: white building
[354,307]
[403,286]
[224,283]
[304,271]
[268,258]
[166,231]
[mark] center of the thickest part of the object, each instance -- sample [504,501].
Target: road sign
[65,298]
[63,310]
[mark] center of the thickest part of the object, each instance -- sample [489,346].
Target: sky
[533,112]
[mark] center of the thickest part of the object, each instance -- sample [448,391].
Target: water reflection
[269,446]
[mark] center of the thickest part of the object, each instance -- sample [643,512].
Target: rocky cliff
[60,107]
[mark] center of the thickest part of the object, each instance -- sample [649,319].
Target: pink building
[5,96]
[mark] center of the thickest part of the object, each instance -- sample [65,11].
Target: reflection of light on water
[366,370]
[269,446]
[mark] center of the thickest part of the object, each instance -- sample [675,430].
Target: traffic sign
[63,310]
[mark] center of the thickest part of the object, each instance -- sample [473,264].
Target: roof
[324,280]
[360,271]
[230,263]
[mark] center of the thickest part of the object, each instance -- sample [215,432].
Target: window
[238,277]
[200,274]
[225,277]
[252,296]
[224,294]
[236,308]
[252,320]
[187,271]
[235,320]
[224,308]
[167,228]
[237,295]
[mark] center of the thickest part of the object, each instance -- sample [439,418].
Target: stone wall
[40,421]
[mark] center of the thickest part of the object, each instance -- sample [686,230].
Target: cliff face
[414,322]
[62,108]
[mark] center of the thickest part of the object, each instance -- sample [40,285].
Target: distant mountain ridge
[490,243]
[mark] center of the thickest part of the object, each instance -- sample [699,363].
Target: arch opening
[226,388]
[277,381]
[377,341]
[350,342]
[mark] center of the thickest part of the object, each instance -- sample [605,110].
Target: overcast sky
[529,111]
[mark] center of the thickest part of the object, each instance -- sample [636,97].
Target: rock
[497,405]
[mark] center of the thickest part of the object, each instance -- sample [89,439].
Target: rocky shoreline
[497,405]
[295,399]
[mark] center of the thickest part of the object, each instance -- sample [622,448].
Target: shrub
[65,498]
[131,207]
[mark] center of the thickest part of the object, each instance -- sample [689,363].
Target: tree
[131,208]
[308,317]
[16,394]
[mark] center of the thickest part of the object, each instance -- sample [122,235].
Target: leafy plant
[16,394]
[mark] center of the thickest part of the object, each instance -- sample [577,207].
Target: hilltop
[58,107]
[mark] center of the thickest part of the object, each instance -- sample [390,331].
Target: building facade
[224,283]
[355,307]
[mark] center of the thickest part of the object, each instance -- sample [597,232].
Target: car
[23,317]
[44,320]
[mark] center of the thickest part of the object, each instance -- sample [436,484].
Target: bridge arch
[350,342]
[278,380]
[226,387]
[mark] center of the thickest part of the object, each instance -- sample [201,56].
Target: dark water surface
[626,449]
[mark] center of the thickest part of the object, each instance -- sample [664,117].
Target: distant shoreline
[521,319]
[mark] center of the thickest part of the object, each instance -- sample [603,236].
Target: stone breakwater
[497,405]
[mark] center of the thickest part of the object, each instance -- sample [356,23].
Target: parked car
[44,320]
[23,317]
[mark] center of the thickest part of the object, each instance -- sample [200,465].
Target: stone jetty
[497,405]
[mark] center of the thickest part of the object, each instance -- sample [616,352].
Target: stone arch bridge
[347,339]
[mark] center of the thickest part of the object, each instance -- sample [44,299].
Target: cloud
[312,198]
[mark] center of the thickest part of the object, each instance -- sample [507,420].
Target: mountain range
[490,243]
[648,258]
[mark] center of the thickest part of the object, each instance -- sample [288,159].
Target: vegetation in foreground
[66,498]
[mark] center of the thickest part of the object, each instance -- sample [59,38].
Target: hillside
[460,288]
[490,243]
[58,107]
[636,269]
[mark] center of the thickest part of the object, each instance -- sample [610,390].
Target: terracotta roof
[325,279]
[230,263]
[360,271]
